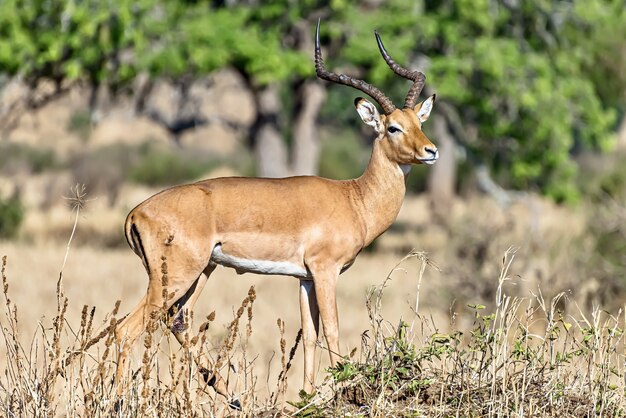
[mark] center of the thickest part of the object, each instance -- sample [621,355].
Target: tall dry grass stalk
[525,357]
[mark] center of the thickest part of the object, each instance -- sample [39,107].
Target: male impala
[307,227]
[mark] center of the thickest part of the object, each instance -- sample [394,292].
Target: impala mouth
[432,155]
[428,161]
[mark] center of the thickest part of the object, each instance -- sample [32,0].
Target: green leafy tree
[264,44]
[518,80]
[522,84]
[69,41]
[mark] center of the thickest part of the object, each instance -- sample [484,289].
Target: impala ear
[423,109]
[368,113]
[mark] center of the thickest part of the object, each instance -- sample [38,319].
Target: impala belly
[259,266]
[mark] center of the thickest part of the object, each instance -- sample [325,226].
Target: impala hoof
[118,406]
[209,377]
[235,404]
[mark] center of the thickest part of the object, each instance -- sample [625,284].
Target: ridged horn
[366,88]
[417,77]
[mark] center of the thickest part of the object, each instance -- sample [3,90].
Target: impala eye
[392,130]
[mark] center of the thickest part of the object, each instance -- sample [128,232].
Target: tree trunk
[269,147]
[441,182]
[306,147]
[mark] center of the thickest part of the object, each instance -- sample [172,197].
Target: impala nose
[432,152]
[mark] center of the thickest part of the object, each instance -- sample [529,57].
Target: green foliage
[70,40]
[158,167]
[15,157]
[203,40]
[110,42]
[11,216]
[80,123]
[418,375]
[307,407]
[531,81]
[526,79]
[342,157]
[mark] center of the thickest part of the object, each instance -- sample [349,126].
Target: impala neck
[380,191]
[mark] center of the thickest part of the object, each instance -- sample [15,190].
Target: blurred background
[131,96]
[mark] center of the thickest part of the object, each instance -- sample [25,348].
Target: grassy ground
[477,336]
[523,358]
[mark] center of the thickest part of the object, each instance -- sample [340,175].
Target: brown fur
[314,223]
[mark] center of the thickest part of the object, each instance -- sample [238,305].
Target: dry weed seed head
[164,282]
[58,323]
[252,294]
[83,319]
[78,197]
[252,298]
[204,327]
[232,329]
[5,284]
[110,333]
[89,328]
[283,343]
[292,354]
[116,308]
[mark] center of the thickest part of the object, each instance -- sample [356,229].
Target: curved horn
[366,88]
[417,77]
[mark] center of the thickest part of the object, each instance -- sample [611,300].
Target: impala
[307,227]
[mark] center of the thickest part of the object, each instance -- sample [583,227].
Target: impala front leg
[310,317]
[325,290]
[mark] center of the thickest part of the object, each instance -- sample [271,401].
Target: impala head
[400,130]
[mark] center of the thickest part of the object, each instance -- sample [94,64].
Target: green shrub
[158,167]
[416,181]
[80,124]
[343,157]
[16,158]
[103,170]
[11,216]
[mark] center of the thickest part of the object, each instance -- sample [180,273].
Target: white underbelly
[245,265]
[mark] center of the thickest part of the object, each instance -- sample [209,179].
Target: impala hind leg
[309,316]
[181,327]
[181,271]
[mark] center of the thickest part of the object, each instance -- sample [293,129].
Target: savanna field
[483,311]
[499,290]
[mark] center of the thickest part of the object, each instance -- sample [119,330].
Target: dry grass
[477,338]
[525,358]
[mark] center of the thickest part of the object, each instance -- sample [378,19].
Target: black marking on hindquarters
[134,234]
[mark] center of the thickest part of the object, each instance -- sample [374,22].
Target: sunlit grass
[523,358]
